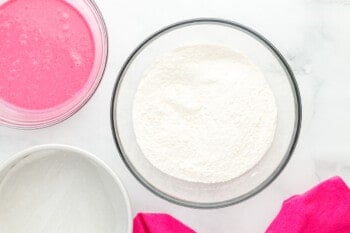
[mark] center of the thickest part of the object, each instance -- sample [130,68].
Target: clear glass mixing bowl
[277,73]
[33,119]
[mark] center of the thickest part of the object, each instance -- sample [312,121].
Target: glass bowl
[278,75]
[32,119]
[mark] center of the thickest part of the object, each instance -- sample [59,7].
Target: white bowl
[59,188]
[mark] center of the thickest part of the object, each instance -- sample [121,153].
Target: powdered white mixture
[55,194]
[204,114]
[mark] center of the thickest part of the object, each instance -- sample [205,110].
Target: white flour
[204,114]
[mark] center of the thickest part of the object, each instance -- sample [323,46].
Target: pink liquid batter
[46,53]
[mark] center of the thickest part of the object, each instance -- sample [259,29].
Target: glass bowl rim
[291,78]
[92,89]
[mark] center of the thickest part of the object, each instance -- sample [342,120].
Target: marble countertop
[313,35]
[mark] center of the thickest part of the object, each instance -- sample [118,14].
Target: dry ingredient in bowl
[204,114]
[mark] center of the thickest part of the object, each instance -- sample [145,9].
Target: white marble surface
[314,36]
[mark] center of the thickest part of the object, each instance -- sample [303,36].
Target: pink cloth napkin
[323,209]
[158,223]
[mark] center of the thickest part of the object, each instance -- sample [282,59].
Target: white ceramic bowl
[59,188]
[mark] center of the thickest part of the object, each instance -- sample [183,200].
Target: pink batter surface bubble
[46,53]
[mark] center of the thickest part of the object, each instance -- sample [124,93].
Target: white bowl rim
[84,154]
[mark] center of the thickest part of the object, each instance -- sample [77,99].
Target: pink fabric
[158,223]
[323,209]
